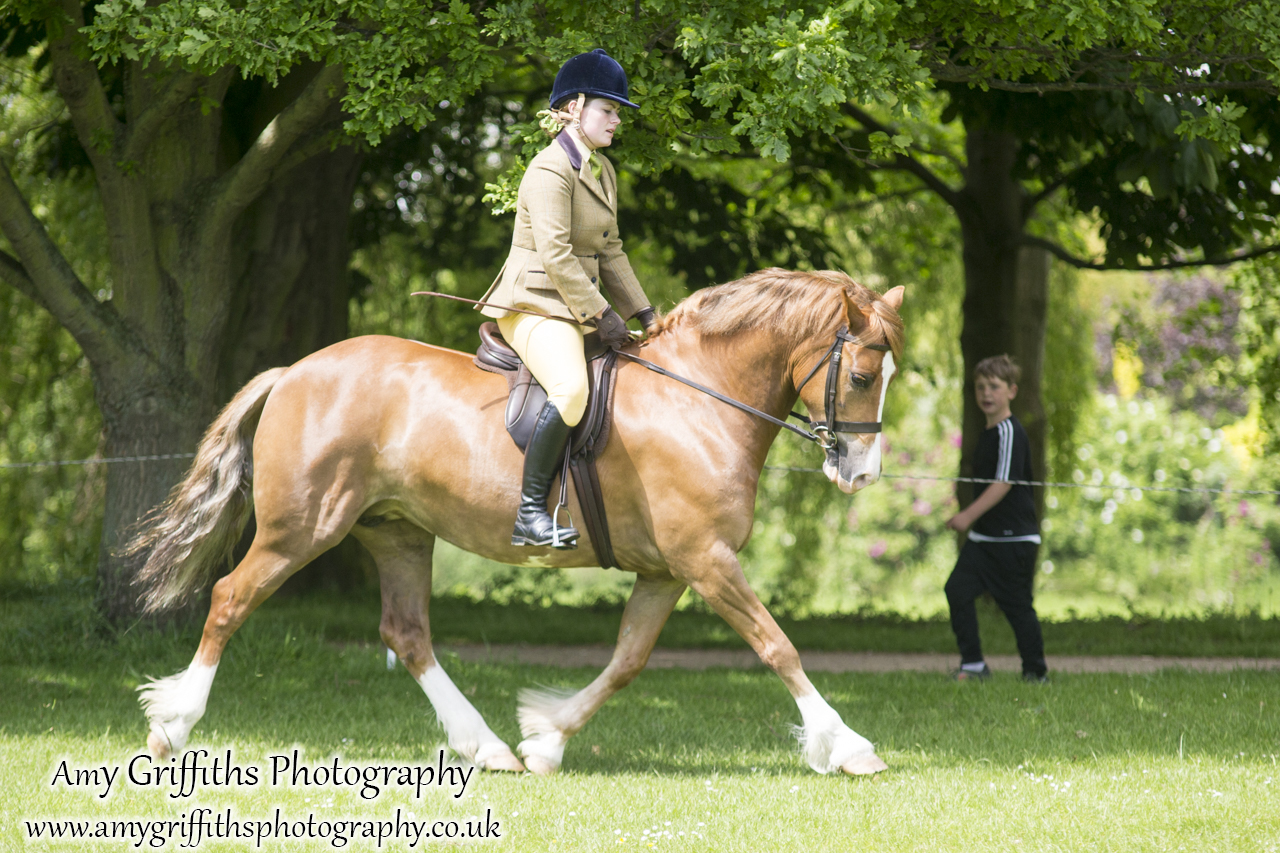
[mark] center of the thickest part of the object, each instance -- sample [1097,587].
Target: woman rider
[564,247]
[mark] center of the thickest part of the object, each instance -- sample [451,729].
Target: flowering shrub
[1185,340]
[1109,542]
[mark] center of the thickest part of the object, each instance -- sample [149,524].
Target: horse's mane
[806,304]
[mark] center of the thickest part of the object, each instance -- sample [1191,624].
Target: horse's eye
[860,380]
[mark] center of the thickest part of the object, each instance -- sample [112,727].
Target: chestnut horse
[398,443]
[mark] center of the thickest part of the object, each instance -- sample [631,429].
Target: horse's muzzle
[854,466]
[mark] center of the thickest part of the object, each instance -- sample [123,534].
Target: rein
[824,431]
[803,433]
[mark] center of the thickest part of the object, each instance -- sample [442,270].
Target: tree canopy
[707,73]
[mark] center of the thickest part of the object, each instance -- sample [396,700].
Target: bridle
[824,431]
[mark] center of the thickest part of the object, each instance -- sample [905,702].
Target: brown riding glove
[612,329]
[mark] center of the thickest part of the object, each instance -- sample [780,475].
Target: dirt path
[598,657]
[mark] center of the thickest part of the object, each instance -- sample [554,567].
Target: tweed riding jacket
[566,243]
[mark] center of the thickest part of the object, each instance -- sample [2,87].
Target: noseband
[824,431]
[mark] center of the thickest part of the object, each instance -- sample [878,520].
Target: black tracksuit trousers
[1006,570]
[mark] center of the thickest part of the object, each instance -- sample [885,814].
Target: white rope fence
[928,477]
[99,461]
[1100,486]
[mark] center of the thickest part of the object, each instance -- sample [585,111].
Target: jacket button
[593,279]
[606,233]
[596,256]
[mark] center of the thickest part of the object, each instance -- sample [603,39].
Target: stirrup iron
[563,504]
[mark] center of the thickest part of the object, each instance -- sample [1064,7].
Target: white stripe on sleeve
[1005,456]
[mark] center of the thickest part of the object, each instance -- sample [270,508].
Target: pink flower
[922,507]
[957,439]
[877,549]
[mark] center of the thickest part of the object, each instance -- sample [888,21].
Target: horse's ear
[856,317]
[894,297]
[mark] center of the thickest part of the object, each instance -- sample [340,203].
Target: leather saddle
[525,400]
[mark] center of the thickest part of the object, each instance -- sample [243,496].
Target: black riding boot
[542,457]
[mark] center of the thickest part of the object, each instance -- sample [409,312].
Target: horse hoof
[504,760]
[864,765]
[158,746]
[539,766]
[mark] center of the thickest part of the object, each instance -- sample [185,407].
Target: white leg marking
[175,704]
[828,744]
[469,735]
[543,744]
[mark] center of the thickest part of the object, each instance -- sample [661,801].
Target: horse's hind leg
[403,554]
[175,704]
[549,717]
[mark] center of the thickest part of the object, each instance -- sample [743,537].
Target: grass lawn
[679,761]
[460,620]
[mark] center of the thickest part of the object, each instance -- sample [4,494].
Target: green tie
[597,169]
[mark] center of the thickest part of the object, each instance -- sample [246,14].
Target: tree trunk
[226,212]
[1029,339]
[289,294]
[1006,291]
[138,423]
[294,286]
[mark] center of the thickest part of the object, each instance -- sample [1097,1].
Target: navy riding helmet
[595,73]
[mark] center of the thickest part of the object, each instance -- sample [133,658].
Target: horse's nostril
[863,480]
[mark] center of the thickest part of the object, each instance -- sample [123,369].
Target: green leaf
[884,147]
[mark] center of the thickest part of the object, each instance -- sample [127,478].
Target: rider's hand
[648,319]
[612,329]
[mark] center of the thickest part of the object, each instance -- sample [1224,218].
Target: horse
[399,443]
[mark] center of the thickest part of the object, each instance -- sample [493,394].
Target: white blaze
[887,369]
[865,459]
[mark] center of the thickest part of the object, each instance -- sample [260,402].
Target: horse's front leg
[829,745]
[549,717]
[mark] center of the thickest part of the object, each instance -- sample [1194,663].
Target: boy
[1000,554]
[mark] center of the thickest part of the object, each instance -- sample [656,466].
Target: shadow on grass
[59,623]
[461,620]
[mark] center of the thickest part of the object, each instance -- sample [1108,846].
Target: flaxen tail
[193,532]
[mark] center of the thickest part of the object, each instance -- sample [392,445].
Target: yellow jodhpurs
[553,351]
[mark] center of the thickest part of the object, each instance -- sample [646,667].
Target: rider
[564,247]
